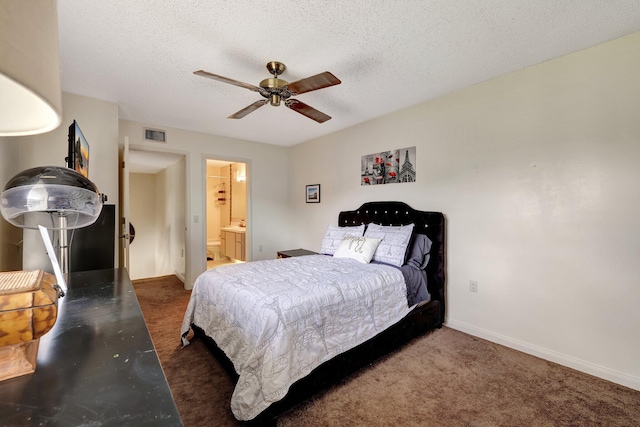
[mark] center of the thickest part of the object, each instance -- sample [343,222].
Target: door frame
[185,154]
[123,214]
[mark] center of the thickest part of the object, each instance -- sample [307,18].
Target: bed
[286,328]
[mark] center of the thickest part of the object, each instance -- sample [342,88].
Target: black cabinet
[93,247]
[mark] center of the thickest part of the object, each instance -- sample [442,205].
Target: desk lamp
[56,198]
[50,197]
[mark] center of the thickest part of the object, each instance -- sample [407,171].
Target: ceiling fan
[275,90]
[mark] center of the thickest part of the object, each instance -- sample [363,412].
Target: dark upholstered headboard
[398,213]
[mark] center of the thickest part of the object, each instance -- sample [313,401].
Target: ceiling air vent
[155,135]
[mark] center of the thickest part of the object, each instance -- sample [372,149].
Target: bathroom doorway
[226,190]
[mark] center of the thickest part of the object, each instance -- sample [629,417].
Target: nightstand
[295,252]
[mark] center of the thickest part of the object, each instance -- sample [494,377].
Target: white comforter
[277,320]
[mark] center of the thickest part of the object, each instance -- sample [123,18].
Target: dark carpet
[445,378]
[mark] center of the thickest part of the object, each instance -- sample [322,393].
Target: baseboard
[179,276]
[154,279]
[550,355]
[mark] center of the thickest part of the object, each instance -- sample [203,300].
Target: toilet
[213,249]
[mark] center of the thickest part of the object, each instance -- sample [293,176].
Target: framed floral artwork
[388,167]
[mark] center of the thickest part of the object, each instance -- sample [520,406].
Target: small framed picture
[313,193]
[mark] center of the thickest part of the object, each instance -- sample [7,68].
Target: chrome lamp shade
[54,197]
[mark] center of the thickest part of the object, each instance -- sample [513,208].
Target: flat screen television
[78,159]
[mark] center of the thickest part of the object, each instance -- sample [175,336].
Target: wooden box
[28,310]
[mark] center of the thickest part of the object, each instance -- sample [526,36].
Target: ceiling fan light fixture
[274,99]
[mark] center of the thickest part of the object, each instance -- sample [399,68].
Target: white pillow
[395,240]
[360,249]
[333,237]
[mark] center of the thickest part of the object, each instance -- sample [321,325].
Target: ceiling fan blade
[250,109]
[306,110]
[318,81]
[209,75]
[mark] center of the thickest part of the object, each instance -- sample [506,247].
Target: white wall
[10,236]
[268,209]
[142,214]
[170,214]
[537,174]
[99,123]
[157,212]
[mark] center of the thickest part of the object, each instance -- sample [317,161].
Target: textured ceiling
[389,54]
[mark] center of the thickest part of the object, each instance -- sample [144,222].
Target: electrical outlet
[260,248]
[473,286]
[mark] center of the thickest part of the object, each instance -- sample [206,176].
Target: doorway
[226,211]
[157,182]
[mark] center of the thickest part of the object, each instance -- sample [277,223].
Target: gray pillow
[418,252]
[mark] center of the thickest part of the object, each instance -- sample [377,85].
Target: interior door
[124,234]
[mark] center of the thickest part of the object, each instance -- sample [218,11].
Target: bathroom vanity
[232,242]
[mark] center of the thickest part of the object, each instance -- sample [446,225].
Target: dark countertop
[96,366]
